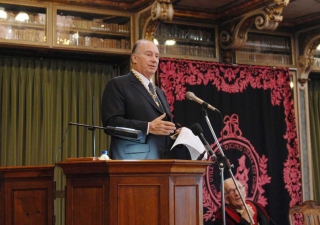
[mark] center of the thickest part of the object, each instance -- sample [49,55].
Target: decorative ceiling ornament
[234,34]
[309,43]
[272,16]
[162,10]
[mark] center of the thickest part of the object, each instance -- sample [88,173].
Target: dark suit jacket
[127,103]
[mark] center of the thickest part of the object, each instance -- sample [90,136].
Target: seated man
[235,210]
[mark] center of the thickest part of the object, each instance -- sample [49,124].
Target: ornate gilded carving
[150,28]
[274,11]
[305,65]
[227,56]
[234,33]
[309,41]
[161,10]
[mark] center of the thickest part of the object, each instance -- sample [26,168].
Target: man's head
[232,195]
[145,58]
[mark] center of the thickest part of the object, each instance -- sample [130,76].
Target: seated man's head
[232,195]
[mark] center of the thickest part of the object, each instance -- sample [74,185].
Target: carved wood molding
[131,6]
[161,10]
[308,44]
[234,34]
[150,28]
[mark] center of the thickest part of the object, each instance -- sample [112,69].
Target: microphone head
[190,95]
[196,129]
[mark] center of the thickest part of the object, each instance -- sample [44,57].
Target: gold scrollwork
[310,40]
[266,18]
[162,10]
[263,22]
[150,28]
[305,63]
[227,55]
[271,16]
[274,11]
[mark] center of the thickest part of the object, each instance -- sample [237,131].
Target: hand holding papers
[192,142]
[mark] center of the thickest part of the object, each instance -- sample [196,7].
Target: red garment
[233,217]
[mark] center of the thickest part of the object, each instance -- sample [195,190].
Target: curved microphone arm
[90,127]
[121,132]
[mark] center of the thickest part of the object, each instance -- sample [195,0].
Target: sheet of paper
[192,142]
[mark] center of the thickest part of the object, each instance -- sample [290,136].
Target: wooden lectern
[141,192]
[26,195]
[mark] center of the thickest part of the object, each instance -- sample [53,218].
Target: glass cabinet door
[23,24]
[92,30]
[267,49]
[185,41]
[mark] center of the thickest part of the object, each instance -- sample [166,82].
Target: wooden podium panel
[26,195]
[140,192]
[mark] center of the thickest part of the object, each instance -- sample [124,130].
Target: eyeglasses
[231,191]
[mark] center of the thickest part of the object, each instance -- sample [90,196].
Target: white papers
[192,142]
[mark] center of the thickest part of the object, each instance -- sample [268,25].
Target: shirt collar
[143,78]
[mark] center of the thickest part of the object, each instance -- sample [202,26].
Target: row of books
[34,35]
[246,56]
[94,24]
[199,51]
[88,41]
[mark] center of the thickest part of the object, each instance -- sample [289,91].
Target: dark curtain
[38,98]
[255,126]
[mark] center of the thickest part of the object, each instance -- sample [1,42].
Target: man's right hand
[160,127]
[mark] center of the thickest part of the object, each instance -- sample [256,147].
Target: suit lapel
[141,88]
[163,100]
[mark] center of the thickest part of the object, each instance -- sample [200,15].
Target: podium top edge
[96,159]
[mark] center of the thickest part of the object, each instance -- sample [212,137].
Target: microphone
[200,157]
[191,96]
[122,132]
[197,130]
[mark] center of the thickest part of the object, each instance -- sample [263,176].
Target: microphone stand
[93,131]
[91,128]
[224,163]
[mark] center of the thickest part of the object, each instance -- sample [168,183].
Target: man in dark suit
[129,101]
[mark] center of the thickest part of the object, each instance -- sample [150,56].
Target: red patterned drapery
[257,131]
